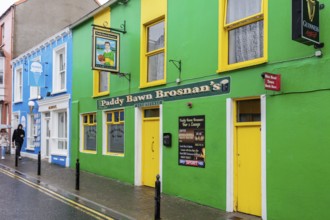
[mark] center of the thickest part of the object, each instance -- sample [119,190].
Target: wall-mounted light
[31,105]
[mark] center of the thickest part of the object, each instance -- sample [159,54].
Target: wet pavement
[113,198]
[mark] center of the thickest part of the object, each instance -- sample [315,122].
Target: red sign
[272,81]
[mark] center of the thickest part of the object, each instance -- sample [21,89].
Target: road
[25,200]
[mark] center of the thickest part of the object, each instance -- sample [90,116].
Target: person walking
[4,141]
[18,137]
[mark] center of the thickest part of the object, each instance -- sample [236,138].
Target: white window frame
[31,131]
[56,115]
[35,90]
[2,70]
[18,88]
[62,49]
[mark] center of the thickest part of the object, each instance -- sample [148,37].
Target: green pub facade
[228,107]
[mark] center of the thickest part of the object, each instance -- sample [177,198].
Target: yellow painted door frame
[150,148]
[247,166]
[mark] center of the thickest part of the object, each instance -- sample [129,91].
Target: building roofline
[92,13]
[43,44]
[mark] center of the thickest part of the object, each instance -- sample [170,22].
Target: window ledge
[101,94]
[88,152]
[30,148]
[115,154]
[58,92]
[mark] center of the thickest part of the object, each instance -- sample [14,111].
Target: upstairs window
[35,90]
[243,27]
[101,83]
[18,84]
[2,34]
[154,55]
[59,69]
[2,70]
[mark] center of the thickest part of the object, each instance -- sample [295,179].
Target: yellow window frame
[113,122]
[223,42]
[89,122]
[96,84]
[145,54]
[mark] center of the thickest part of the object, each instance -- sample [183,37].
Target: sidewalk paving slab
[114,198]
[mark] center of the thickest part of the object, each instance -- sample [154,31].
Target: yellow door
[150,150]
[248,169]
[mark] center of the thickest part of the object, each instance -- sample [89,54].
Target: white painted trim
[230,165]
[138,147]
[161,145]
[263,159]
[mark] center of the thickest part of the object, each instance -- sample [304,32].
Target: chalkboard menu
[192,141]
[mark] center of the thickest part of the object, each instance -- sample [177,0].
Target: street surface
[25,200]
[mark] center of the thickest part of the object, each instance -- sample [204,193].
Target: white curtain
[246,42]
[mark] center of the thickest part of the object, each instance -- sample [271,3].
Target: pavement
[113,198]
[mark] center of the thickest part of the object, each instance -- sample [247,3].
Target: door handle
[152,146]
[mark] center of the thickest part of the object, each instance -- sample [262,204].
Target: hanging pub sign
[305,21]
[106,49]
[272,81]
[192,141]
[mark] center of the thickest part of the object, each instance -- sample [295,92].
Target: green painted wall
[298,118]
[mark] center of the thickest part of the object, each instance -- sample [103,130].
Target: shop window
[101,83]
[62,131]
[89,132]
[115,132]
[152,62]
[248,110]
[18,84]
[59,69]
[242,33]
[32,131]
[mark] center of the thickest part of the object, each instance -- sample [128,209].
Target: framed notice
[192,141]
[106,49]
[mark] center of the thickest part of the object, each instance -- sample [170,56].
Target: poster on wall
[105,50]
[192,141]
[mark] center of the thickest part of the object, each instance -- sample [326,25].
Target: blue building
[42,98]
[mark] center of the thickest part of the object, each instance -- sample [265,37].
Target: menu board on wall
[192,141]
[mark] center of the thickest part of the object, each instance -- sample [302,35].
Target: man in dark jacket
[18,137]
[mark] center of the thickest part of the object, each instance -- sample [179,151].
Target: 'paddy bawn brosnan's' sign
[200,89]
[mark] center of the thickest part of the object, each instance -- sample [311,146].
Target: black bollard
[77,174]
[16,159]
[39,164]
[157,198]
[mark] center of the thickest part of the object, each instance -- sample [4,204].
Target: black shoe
[20,158]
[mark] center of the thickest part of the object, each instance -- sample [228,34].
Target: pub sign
[305,21]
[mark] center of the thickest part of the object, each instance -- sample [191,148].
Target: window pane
[103,81]
[85,119]
[156,36]
[91,119]
[121,116]
[238,9]
[116,116]
[246,42]
[150,113]
[109,117]
[116,138]
[90,138]
[156,67]
[62,79]
[248,110]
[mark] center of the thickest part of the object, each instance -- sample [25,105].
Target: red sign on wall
[272,81]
